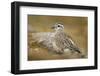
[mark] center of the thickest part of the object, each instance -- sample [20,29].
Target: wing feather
[64,41]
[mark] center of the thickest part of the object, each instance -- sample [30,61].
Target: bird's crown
[58,26]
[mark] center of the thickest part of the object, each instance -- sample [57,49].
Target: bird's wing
[73,45]
[63,41]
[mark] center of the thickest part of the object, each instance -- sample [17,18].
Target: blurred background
[76,27]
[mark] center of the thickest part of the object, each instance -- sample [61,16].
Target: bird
[57,41]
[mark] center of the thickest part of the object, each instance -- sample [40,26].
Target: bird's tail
[74,48]
[77,50]
[81,54]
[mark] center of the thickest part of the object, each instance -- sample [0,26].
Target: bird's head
[58,26]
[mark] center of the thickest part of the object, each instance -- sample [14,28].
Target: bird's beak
[52,27]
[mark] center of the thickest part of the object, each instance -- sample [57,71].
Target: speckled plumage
[56,41]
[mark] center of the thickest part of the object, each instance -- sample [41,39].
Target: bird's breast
[54,45]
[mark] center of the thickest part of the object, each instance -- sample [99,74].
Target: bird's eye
[58,26]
